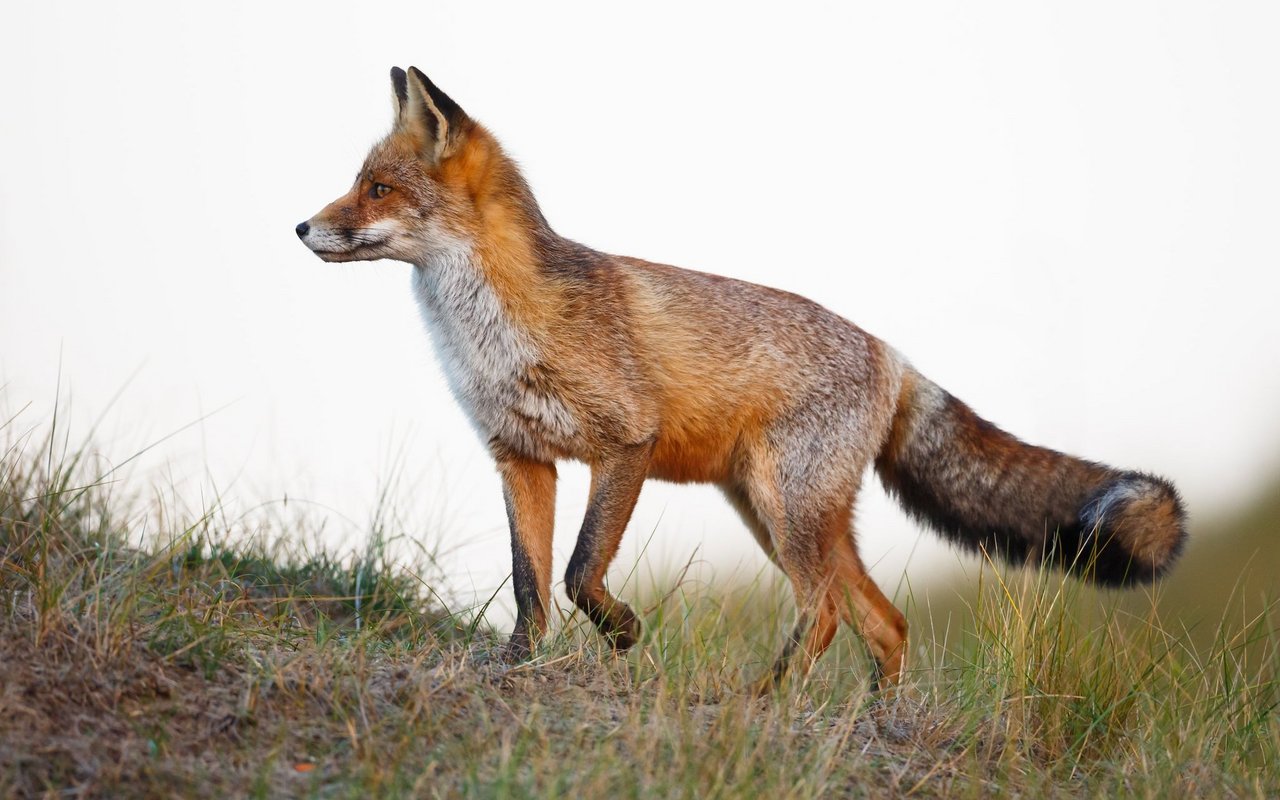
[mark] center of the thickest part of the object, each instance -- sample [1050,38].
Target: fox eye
[380,190]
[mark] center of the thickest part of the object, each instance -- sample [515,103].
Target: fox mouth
[347,246]
[361,252]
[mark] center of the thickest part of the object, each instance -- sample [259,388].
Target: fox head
[414,196]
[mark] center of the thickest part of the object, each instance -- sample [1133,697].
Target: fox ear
[431,116]
[399,90]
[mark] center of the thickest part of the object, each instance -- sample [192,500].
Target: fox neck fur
[489,359]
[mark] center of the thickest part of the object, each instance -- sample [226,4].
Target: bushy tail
[986,490]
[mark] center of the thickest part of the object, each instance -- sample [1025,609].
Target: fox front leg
[529,488]
[615,485]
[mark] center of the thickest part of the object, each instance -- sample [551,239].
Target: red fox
[640,370]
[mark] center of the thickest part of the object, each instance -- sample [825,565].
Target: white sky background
[1065,213]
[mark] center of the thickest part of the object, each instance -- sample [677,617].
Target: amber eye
[380,190]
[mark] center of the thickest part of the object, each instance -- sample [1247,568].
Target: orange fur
[641,370]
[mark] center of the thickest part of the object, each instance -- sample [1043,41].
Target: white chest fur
[488,359]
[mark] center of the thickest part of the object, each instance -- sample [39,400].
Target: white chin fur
[360,244]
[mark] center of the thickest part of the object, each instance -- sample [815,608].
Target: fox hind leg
[801,527]
[800,510]
[877,620]
[741,502]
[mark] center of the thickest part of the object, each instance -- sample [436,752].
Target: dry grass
[210,659]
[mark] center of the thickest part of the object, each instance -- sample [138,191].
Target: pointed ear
[399,90]
[432,116]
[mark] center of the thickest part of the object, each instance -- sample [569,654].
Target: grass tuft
[145,654]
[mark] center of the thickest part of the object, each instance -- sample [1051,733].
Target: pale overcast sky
[1065,213]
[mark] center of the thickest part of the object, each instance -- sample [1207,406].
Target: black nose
[302,229]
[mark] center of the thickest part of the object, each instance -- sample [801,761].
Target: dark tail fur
[986,490]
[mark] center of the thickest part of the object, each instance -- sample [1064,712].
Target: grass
[147,655]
